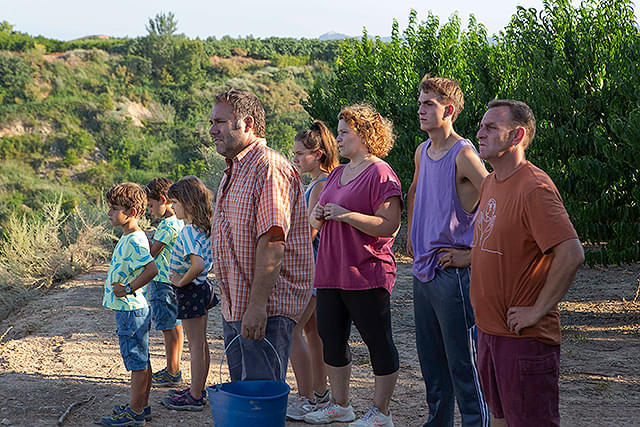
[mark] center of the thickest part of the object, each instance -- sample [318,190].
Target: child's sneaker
[298,406]
[163,378]
[174,393]
[323,400]
[117,409]
[331,413]
[128,417]
[184,402]
[373,418]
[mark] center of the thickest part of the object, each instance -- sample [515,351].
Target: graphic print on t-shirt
[484,226]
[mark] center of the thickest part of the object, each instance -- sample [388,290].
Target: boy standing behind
[164,306]
[131,268]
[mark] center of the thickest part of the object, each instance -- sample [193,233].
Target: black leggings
[371,313]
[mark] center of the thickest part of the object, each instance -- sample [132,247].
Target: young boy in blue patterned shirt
[164,307]
[131,268]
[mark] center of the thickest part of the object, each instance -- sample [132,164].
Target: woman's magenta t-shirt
[348,258]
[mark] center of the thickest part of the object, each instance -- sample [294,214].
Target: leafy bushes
[15,74]
[579,70]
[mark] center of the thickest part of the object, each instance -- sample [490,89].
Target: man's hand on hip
[519,318]
[451,257]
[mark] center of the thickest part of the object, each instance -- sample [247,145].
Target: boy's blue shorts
[164,306]
[133,335]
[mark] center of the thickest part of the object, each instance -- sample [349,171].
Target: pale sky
[71,19]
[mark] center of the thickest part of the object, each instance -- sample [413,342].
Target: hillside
[77,117]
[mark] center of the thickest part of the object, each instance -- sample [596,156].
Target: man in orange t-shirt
[525,256]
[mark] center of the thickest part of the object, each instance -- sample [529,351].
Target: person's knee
[385,362]
[336,354]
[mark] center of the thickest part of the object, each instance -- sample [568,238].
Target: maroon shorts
[519,378]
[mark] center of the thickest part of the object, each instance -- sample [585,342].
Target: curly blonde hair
[196,200]
[375,130]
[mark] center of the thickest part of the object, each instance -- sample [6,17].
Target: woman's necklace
[365,158]
[316,178]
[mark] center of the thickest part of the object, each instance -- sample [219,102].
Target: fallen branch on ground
[5,333]
[73,405]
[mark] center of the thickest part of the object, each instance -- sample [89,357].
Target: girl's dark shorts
[195,299]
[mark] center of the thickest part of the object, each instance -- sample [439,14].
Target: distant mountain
[332,35]
[94,37]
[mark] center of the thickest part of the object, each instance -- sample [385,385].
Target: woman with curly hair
[358,215]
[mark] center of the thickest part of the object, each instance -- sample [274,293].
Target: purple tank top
[438,219]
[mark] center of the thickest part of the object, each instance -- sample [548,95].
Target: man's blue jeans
[255,360]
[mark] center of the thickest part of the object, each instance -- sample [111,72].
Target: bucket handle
[235,338]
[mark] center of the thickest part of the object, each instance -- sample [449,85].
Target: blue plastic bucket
[248,403]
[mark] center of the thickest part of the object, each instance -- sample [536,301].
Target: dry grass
[38,253]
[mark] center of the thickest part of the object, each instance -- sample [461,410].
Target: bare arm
[384,223]
[181,280]
[146,275]
[567,258]
[313,200]
[316,217]
[269,255]
[155,248]
[411,196]
[470,173]
[471,167]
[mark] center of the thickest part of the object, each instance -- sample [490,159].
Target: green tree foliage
[580,73]
[577,67]
[172,59]
[386,75]
[162,25]
[15,74]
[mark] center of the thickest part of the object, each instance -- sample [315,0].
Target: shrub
[40,252]
[578,69]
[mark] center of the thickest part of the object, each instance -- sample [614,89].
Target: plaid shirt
[260,190]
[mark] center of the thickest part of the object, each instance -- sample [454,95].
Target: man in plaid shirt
[260,240]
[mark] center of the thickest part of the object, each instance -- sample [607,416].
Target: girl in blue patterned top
[190,263]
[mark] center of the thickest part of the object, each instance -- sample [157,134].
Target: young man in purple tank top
[441,205]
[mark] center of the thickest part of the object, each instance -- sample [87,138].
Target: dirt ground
[61,349]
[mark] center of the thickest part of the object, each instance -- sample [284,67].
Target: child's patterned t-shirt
[191,241]
[129,258]
[166,233]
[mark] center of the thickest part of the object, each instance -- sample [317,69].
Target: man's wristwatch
[128,290]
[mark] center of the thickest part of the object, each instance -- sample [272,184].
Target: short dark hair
[128,195]
[448,91]
[244,103]
[158,187]
[521,115]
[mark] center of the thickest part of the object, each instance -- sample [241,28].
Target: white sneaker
[298,406]
[323,400]
[331,413]
[372,418]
